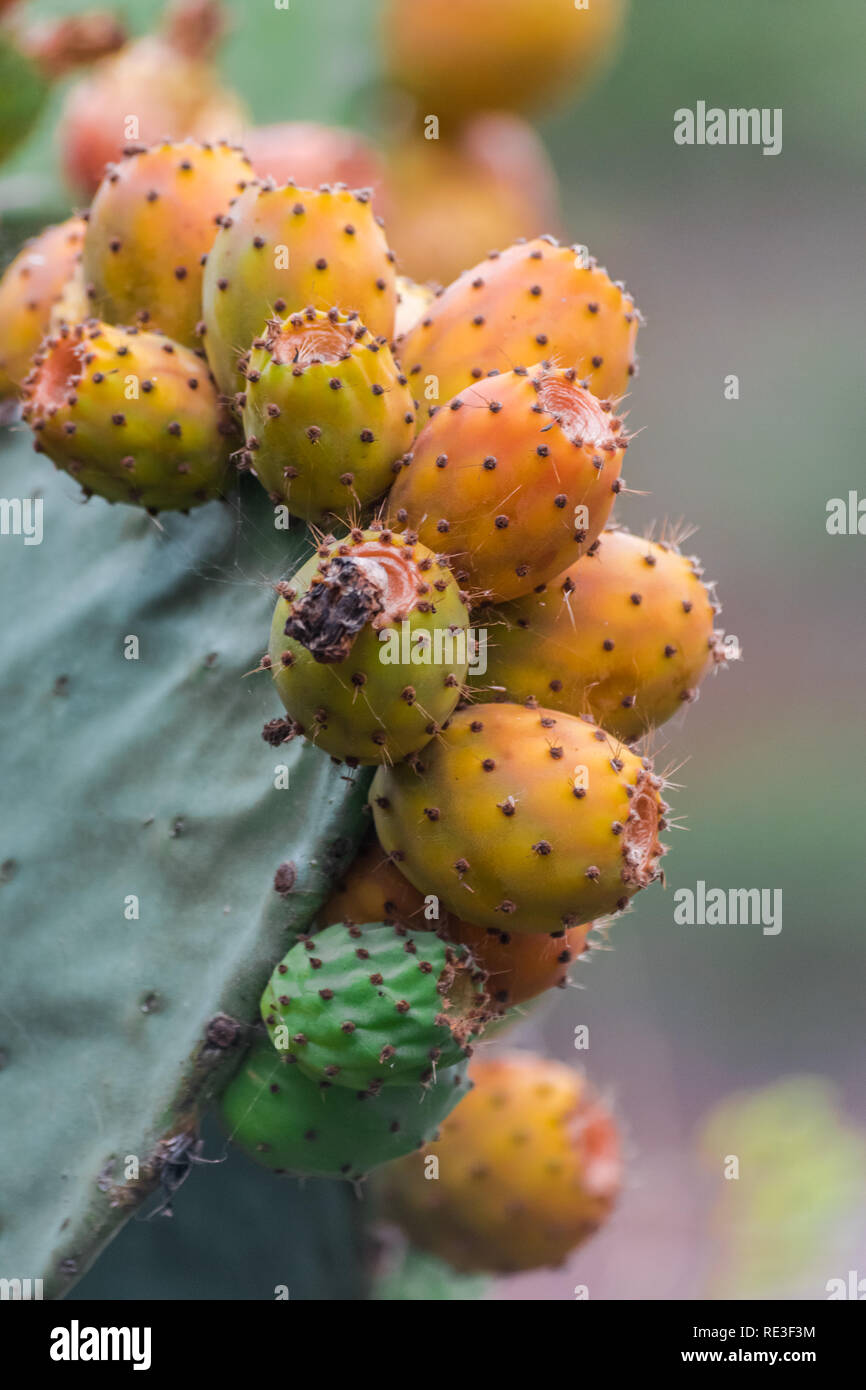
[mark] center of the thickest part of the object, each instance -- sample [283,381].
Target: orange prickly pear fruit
[496,171]
[152,222]
[513,479]
[535,300]
[524,820]
[626,635]
[518,967]
[369,647]
[280,249]
[30,288]
[327,413]
[158,87]
[529,1166]
[497,54]
[131,415]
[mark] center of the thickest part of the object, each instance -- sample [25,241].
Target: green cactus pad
[290,1124]
[363,1006]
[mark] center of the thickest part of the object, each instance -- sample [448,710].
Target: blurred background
[711,1041]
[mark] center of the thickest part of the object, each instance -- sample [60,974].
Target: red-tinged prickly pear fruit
[286,1122]
[506,53]
[158,87]
[518,966]
[524,820]
[30,288]
[375,1005]
[369,647]
[529,1166]
[308,154]
[412,300]
[626,635]
[513,479]
[280,249]
[535,300]
[327,413]
[496,171]
[130,415]
[152,222]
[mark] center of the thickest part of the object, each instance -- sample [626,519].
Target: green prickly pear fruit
[513,479]
[291,1124]
[625,635]
[373,1005]
[30,288]
[369,647]
[327,413]
[530,1165]
[280,249]
[523,820]
[535,300]
[152,222]
[131,415]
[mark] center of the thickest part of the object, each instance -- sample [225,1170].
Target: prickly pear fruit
[152,222]
[518,967]
[626,635]
[412,300]
[495,170]
[524,820]
[509,54]
[533,301]
[327,413]
[31,286]
[132,416]
[158,87]
[290,1124]
[279,249]
[308,154]
[73,305]
[530,1166]
[375,1005]
[513,479]
[369,647]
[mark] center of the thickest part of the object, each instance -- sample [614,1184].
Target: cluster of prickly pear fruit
[463,453]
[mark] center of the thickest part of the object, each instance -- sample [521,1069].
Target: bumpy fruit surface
[290,1124]
[626,635]
[30,288]
[496,171]
[307,154]
[280,249]
[527,820]
[327,414]
[369,647]
[165,80]
[132,416]
[152,222]
[498,54]
[366,1006]
[535,300]
[518,966]
[513,479]
[530,1166]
